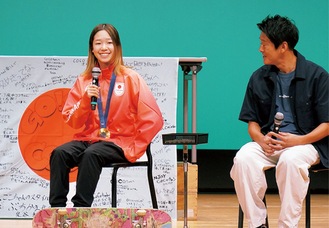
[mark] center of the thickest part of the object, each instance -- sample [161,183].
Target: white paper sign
[32,94]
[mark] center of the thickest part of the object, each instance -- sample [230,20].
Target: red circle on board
[42,129]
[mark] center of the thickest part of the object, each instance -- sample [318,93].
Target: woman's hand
[92,91]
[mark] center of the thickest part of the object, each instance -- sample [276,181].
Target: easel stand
[185,166]
[185,139]
[190,67]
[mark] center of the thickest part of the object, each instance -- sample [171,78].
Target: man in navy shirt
[298,88]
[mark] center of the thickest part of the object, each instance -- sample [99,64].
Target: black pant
[89,158]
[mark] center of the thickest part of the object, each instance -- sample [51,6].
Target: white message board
[32,91]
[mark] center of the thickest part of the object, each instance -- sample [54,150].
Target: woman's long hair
[116,61]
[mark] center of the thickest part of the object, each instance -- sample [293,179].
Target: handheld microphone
[278,118]
[95,73]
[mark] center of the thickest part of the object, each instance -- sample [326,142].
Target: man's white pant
[292,178]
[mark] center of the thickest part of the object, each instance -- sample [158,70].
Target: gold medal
[104,133]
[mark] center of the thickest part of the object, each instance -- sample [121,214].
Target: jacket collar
[107,72]
[300,67]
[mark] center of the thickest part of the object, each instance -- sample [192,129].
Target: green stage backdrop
[224,31]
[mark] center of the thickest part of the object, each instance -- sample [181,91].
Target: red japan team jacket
[134,116]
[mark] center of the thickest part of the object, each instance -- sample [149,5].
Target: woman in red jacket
[124,122]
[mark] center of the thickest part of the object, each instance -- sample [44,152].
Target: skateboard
[101,218]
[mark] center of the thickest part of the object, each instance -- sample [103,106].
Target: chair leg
[266,220]
[152,188]
[241,215]
[114,187]
[308,208]
[240,222]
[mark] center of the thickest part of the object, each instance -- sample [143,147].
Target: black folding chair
[148,164]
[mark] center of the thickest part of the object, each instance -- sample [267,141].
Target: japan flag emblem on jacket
[119,88]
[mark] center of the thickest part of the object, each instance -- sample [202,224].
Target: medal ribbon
[104,116]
